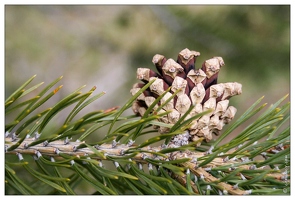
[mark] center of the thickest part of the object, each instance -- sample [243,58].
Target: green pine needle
[256,160]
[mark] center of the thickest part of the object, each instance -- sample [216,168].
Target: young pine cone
[196,87]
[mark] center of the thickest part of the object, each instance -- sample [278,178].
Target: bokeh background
[98,45]
[102,46]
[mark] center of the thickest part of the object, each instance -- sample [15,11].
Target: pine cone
[195,87]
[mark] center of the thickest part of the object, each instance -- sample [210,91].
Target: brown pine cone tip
[196,87]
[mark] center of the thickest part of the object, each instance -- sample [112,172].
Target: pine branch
[188,160]
[146,155]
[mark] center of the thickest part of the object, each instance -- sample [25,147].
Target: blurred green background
[98,45]
[102,46]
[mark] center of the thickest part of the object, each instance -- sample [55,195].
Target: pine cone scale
[194,87]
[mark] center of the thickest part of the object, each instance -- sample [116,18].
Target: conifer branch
[255,161]
[56,148]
